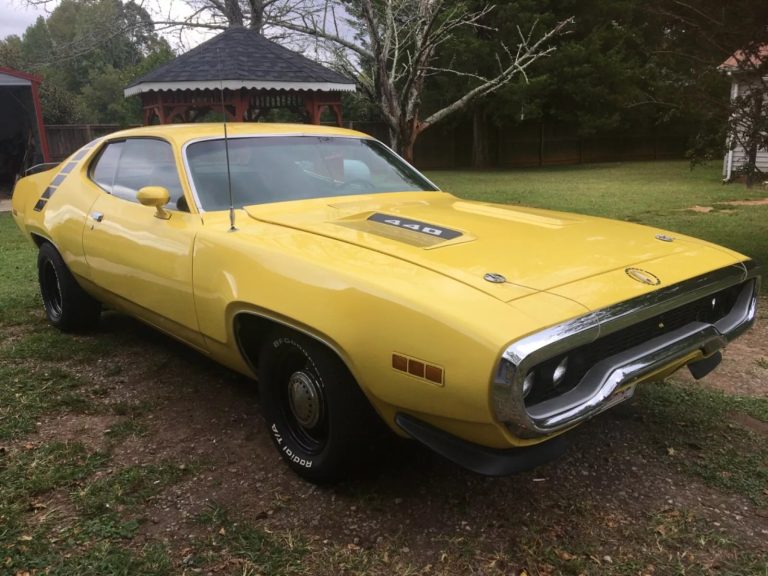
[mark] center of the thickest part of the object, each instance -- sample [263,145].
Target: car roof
[182,133]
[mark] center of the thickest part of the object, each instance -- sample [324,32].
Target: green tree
[86,51]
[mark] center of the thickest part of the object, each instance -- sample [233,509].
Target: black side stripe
[67,168]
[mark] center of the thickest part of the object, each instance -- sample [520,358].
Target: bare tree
[225,13]
[210,14]
[390,47]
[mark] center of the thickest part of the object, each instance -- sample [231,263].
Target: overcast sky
[15,16]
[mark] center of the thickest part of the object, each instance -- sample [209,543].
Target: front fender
[374,310]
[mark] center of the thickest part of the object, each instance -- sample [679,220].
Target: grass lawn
[123,452]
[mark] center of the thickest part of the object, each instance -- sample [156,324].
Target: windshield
[281,168]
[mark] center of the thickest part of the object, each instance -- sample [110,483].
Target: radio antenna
[232,227]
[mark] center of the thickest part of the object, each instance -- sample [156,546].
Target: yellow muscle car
[355,291]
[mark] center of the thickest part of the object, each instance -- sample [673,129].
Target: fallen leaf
[563,555]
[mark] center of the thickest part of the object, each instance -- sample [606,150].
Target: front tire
[318,418]
[68,307]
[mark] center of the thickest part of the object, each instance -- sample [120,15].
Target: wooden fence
[63,139]
[450,146]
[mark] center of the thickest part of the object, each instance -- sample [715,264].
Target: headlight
[511,391]
[545,377]
[559,373]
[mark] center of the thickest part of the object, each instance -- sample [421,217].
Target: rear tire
[319,420]
[68,307]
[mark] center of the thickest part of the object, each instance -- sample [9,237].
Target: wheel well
[252,330]
[250,333]
[39,240]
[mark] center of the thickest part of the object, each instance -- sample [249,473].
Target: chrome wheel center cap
[305,399]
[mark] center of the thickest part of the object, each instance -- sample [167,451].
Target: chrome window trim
[41,167]
[191,181]
[520,356]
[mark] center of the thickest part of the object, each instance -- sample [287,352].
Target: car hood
[527,250]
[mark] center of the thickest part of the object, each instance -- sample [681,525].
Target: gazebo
[254,73]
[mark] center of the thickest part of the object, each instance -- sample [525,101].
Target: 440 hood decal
[415,226]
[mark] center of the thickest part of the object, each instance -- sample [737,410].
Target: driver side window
[124,167]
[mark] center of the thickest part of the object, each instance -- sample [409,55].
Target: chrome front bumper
[597,388]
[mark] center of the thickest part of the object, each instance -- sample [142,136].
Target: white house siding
[737,157]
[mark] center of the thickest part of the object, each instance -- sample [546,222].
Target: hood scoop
[413,232]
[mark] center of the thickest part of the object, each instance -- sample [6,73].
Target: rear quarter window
[105,167]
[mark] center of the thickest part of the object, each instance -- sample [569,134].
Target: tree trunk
[541,142]
[404,138]
[233,13]
[257,15]
[407,151]
[752,171]
[751,167]
[480,152]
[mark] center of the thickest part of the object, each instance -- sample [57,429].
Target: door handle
[98,216]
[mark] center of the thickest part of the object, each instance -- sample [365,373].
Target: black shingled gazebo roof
[240,58]
[242,74]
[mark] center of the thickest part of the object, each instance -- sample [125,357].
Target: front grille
[709,309]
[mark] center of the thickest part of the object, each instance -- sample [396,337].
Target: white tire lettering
[292,457]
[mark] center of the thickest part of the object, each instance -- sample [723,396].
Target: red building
[23,141]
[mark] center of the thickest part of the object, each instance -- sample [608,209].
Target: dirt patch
[761,202]
[751,423]
[708,209]
[88,429]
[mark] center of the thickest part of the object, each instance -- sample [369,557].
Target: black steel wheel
[68,307]
[318,418]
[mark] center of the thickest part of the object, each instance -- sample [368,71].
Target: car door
[142,261]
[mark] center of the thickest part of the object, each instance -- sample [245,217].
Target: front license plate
[619,397]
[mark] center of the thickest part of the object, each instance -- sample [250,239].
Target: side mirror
[157,196]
